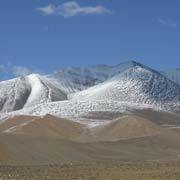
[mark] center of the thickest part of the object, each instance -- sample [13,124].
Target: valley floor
[94,171]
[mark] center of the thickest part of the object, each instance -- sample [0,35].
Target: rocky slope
[27,91]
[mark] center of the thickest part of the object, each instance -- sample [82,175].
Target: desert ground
[94,171]
[143,145]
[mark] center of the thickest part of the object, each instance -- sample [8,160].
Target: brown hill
[127,127]
[47,126]
[46,140]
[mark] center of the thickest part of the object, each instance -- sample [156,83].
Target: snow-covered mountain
[72,80]
[173,75]
[27,91]
[79,92]
[137,84]
[35,89]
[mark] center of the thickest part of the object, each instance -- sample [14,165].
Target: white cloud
[20,71]
[72,8]
[47,10]
[168,22]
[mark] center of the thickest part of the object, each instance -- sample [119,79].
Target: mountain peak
[130,82]
[130,64]
[133,62]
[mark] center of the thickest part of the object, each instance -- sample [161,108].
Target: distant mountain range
[78,92]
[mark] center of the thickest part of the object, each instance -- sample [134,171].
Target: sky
[42,36]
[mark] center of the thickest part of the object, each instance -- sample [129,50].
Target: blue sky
[47,35]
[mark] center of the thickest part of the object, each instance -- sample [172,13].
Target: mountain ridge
[76,92]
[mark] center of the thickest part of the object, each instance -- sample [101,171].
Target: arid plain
[137,146]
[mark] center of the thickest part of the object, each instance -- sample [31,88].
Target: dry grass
[94,171]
